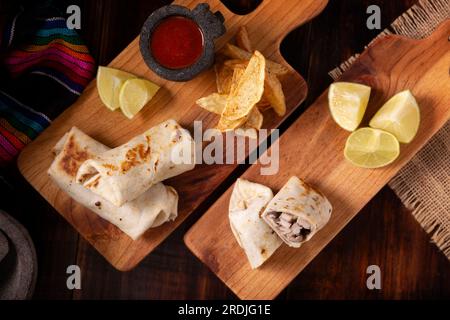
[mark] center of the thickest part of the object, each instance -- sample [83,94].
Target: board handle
[279,18]
[274,18]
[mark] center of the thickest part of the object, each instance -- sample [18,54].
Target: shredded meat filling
[293,229]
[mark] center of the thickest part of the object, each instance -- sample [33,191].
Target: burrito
[153,208]
[297,212]
[122,174]
[257,239]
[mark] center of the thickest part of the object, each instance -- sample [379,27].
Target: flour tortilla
[257,239]
[297,212]
[153,208]
[124,173]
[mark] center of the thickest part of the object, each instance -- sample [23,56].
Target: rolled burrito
[297,212]
[153,208]
[124,173]
[258,240]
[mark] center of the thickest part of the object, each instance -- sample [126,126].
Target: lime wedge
[399,116]
[371,148]
[135,94]
[348,103]
[109,82]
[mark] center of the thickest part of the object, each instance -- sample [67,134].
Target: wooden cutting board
[312,148]
[267,26]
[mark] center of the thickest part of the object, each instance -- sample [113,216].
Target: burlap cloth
[423,185]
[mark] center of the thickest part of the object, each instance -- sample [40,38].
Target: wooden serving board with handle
[267,26]
[312,149]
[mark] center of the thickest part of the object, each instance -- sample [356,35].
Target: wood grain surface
[174,101]
[312,149]
[384,233]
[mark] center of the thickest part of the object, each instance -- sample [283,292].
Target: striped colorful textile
[54,51]
[19,125]
[47,67]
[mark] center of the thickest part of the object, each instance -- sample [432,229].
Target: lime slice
[348,103]
[399,116]
[371,148]
[135,94]
[109,82]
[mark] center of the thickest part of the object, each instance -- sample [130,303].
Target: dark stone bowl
[211,26]
[18,268]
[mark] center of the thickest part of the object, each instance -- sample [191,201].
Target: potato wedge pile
[247,85]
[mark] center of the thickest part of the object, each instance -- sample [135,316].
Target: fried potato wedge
[273,93]
[224,75]
[242,39]
[255,119]
[249,90]
[236,63]
[234,52]
[227,124]
[237,75]
[214,103]
[224,123]
[247,84]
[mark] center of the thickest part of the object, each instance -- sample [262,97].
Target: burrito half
[297,212]
[151,209]
[124,173]
[257,239]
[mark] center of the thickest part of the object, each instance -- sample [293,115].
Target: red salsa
[176,42]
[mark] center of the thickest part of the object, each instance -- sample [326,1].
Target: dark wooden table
[383,233]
